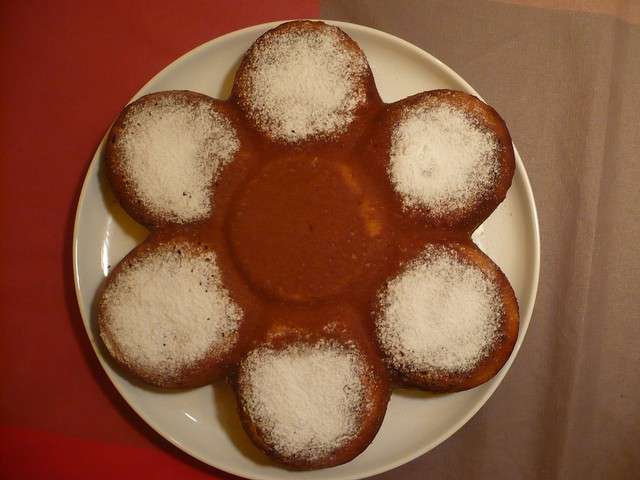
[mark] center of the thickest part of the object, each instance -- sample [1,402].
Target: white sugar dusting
[305,399]
[173,151]
[303,82]
[441,159]
[439,314]
[168,310]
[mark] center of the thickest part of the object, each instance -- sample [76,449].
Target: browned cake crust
[339,325]
[439,380]
[121,182]
[215,363]
[487,119]
[362,82]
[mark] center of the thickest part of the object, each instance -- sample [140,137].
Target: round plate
[203,422]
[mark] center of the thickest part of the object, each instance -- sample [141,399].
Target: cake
[313,397]
[469,304]
[309,243]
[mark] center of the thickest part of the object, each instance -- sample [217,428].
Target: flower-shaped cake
[309,243]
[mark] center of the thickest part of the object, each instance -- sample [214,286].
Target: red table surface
[68,69]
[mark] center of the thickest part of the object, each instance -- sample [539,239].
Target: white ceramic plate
[203,422]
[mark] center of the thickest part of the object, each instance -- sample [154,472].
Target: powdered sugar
[441,159]
[439,314]
[303,82]
[173,150]
[305,399]
[168,310]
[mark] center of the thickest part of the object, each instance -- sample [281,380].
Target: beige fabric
[628,10]
[568,84]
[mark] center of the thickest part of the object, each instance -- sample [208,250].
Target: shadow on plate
[227,413]
[415,393]
[227,84]
[130,227]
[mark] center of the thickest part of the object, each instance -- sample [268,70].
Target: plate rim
[533,278]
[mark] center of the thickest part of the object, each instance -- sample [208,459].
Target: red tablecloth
[68,68]
[563,74]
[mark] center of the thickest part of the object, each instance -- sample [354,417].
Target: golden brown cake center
[306,227]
